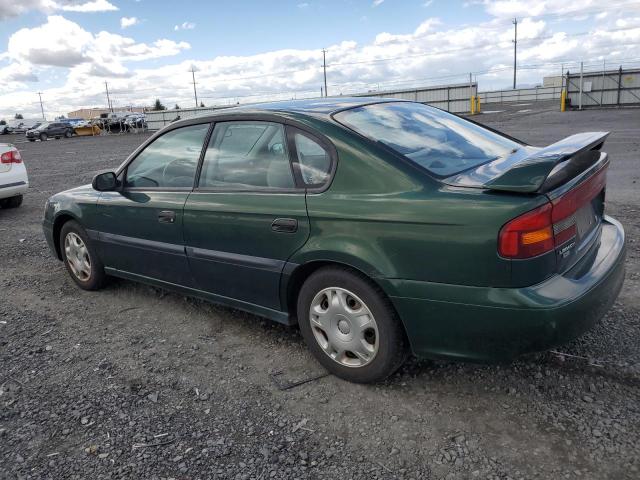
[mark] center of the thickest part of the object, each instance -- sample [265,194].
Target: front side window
[170,161]
[438,141]
[247,155]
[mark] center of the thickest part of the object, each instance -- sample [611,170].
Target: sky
[252,50]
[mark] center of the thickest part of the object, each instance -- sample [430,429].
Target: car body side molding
[16,184]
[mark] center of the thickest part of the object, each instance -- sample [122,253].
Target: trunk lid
[535,170]
[571,173]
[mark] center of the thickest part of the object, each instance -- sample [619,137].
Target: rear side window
[170,161]
[314,161]
[438,141]
[247,155]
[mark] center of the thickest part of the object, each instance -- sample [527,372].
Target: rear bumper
[497,324]
[14,182]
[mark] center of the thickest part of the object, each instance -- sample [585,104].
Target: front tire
[43,137]
[350,325]
[80,258]
[68,134]
[12,202]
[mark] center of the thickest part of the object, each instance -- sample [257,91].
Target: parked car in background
[73,122]
[135,120]
[380,227]
[13,176]
[49,130]
[23,126]
[11,126]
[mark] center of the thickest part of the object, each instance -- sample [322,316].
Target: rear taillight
[549,226]
[12,156]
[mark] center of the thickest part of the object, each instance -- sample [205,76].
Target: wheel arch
[58,223]
[301,273]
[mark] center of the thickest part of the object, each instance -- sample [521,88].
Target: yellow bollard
[473,104]
[478,104]
[563,100]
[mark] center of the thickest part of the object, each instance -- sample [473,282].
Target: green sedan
[380,227]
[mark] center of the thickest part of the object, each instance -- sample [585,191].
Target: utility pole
[324,67]
[515,49]
[193,75]
[41,107]
[106,87]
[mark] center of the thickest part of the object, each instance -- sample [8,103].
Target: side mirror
[105,182]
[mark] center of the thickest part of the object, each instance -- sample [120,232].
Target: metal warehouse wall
[521,95]
[157,120]
[452,98]
[605,88]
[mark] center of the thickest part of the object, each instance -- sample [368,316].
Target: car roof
[316,107]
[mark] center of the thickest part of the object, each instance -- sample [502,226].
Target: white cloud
[303,5]
[377,2]
[433,53]
[126,22]
[428,3]
[62,43]
[91,6]
[14,8]
[185,26]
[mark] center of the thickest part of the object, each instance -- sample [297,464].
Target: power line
[387,59]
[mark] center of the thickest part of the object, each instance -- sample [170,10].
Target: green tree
[158,105]
[3,122]
[202,104]
[177,107]
[19,116]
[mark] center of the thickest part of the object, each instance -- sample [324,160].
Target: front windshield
[436,140]
[42,125]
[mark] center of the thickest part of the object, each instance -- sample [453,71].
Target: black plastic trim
[261,263]
[9,185]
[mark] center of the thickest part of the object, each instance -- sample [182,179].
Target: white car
[13,176]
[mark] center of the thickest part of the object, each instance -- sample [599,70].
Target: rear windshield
[438,141]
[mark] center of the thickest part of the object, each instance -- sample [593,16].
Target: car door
[247,215]
[140,226]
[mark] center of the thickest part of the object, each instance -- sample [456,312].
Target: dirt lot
[135,382]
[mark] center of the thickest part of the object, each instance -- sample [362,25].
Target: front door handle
[167,216]
[285,225]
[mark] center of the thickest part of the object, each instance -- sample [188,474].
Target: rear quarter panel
[390,220]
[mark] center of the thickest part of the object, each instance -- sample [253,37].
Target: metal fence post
[619,83]
[580,97]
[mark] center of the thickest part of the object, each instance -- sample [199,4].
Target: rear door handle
[285,225]
[167,216]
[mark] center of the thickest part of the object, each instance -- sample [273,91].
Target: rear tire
[68,134]
[355,332]
[43,137]
[12,202]
[80,257]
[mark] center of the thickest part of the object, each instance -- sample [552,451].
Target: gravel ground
[136,382]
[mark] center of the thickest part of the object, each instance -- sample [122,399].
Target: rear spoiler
[532,173]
